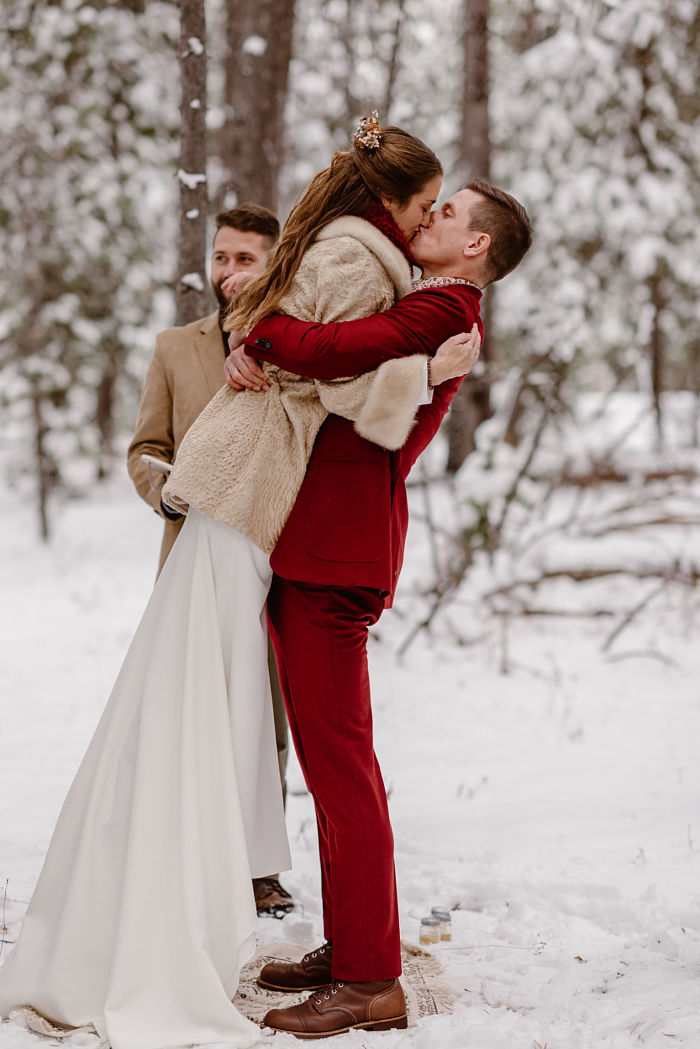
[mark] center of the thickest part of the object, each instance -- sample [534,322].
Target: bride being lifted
[144,913]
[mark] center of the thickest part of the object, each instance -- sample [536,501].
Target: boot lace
[319,951]
[332,988]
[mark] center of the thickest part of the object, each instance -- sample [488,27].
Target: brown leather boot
[271,897]
[377,1005]
[310,974]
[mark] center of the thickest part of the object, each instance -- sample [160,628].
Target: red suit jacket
[348,525]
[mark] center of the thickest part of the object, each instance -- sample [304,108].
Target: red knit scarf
[378,215]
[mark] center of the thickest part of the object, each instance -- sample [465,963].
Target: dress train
[144,913]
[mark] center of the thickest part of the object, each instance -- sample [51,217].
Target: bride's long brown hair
[356,179]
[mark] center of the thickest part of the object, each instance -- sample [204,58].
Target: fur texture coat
[243,460]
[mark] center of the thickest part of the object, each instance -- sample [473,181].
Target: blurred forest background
[586,110]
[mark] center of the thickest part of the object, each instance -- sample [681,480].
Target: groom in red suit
[336,566]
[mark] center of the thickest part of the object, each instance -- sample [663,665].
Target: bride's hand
[241,371]
[234,283]
[456,356]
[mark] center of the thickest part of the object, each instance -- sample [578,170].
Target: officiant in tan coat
[186,370]
[187,367]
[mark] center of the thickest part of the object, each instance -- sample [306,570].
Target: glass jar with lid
[430,930]
[445,919]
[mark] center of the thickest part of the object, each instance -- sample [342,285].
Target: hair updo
[397,168]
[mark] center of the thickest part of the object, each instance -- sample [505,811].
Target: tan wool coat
[186,370]
[244,459]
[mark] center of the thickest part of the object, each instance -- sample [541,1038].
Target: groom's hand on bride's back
[456,356]
[241,371]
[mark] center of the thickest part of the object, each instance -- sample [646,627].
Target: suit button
[265,343]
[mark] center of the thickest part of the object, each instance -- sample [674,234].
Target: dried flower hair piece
[368,134]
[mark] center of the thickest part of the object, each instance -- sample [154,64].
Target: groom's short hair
[251,218]
[506,222]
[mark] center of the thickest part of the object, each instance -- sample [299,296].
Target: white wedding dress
[144,910]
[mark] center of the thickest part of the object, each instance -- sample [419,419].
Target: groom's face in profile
[442,242]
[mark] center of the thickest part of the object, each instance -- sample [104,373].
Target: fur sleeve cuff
[398,388]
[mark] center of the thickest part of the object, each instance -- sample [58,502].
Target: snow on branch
[582,519]
[192,280]
[254,45]
[190,179]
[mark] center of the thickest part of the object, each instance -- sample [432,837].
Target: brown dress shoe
[376,1005]
[271,897]
[310,974]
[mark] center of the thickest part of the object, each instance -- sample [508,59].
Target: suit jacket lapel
[210,351]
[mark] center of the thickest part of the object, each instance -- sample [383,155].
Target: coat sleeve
[430,416]
[415,325]
[154,428]
[428,423]
[381,403]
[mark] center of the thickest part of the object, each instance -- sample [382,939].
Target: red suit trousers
[319,635]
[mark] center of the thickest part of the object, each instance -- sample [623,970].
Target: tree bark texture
[107,395]
[475,141]
[257,74]
[191,284]
[472,405]
[656,357]
[41,461]
[393,67]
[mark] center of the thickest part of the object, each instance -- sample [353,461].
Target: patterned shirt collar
[441,282]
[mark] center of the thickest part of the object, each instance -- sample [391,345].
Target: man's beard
[220,297]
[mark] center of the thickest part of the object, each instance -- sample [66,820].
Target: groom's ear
[477,244]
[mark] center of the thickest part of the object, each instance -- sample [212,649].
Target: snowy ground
[557,805]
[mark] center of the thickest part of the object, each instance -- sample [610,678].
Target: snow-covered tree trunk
[393,64]
[113,364]
[656,354]
[471,406]
[41,460]
[475,140]
[257,73]
[191,285]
